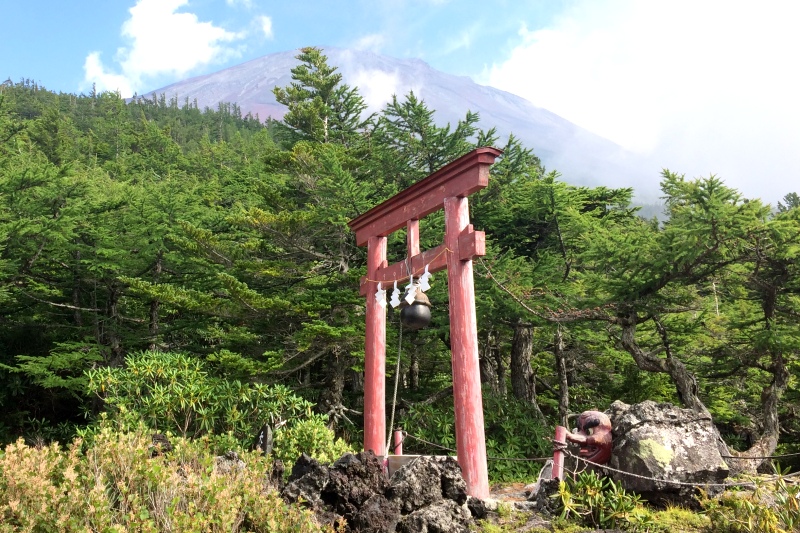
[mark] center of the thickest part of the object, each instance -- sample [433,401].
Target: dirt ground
[510,492]
[523,519]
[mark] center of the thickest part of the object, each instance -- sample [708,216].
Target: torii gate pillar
[448,189]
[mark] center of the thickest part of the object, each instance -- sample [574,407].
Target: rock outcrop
[669,451]
[428,495]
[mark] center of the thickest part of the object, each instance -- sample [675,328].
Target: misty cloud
[376,87]
[265,24]
[162,41]
[697,87]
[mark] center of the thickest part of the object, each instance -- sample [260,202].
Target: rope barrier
[522,459]
[649,478]
[429,443]
[564,448]
[749,484]
[762,457]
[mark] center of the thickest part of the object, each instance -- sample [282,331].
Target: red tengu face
[589,422]
[596,426]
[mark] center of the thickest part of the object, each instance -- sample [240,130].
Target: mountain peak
[580,156]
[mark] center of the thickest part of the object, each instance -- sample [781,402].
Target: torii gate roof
[462,177]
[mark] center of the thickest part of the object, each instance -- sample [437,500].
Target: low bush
[310,436]
[599,502]
[114,484]
[174,392]
[771,506]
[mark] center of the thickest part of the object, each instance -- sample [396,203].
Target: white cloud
[162,42]
[265,24]
[711,86]
[376,87]
[463,39]
[373,42]
[105,81]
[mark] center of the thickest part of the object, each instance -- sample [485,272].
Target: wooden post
[468,399]
[558,455]
[397,448]
[375,355]
[412,238]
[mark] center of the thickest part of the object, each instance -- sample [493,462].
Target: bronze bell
[416,315]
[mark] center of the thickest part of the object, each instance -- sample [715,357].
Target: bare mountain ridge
[580,156]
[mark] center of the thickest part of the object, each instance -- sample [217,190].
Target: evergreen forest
[192,270]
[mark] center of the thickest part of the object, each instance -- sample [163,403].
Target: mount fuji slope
[581,157]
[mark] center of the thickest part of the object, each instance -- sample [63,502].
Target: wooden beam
[412,238]
[462,177]
[471,244]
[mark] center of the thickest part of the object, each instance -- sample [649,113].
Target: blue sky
[701,86]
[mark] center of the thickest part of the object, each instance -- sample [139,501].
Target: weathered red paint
[446,189]
[558,455]
[375,356]
[468,399]
[471,244]
[412,238]
[593,436]
[462,177]
[398,442]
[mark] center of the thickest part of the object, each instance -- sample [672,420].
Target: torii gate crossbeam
[448,189]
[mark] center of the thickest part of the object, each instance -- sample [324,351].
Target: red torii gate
[446,188]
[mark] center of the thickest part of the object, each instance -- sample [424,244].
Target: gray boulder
[669,451]
[426,495]
[228,463]
[444,516]
[416,485]
[425,481]
[307,481]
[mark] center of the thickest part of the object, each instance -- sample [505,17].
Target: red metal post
[397,449]
[375,355]
[470,438]
[558,455]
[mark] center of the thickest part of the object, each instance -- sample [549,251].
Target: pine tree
[409,144]
[320,107]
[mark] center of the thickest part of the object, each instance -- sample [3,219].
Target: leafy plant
[310,436]
[513,434]
[114,485]
[773,506]
[599,502]
[173,392]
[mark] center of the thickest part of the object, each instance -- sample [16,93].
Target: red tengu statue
[594,436]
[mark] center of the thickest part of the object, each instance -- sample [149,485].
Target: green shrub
[599,502]
[675,519]
[173,393]
[513,433]
[309,436]
[773,506]
[114,485]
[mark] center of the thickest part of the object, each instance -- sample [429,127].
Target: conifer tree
[410,145]
[319,106]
